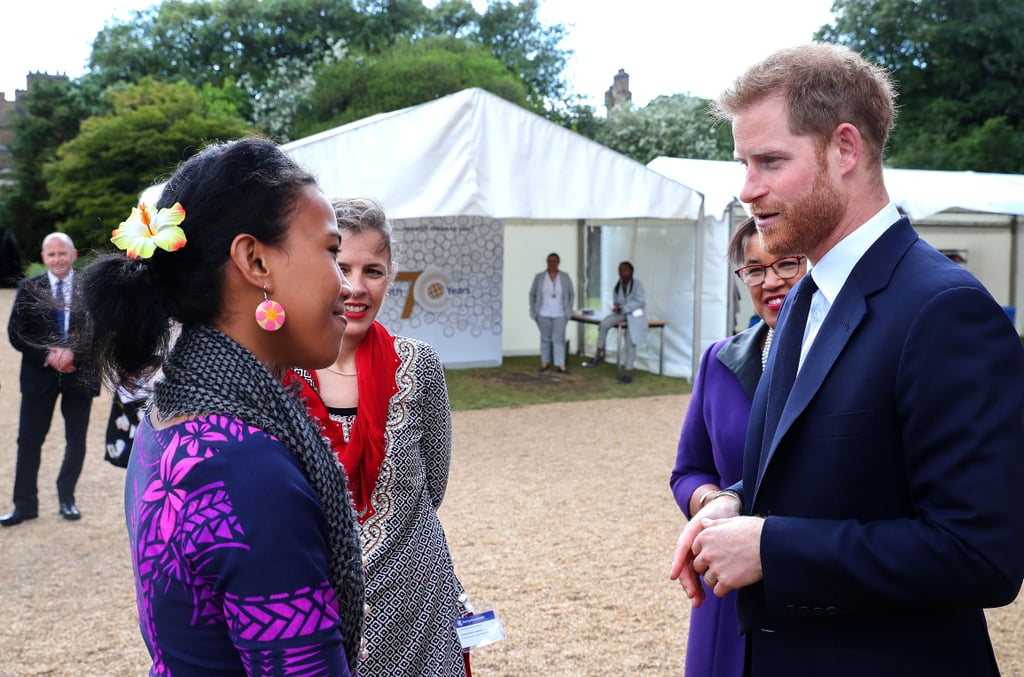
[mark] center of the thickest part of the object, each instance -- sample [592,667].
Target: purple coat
[711,452]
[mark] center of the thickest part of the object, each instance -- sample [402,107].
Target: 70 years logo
[429,287]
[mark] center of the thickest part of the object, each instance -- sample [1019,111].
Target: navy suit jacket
[890,484]
[33,328]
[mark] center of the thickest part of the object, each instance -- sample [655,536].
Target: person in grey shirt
[551,299]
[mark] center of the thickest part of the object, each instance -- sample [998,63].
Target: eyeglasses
[784,268]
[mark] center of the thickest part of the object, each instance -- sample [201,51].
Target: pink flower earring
[269,314]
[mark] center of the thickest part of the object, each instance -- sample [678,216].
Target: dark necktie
[60,309]
[789,336]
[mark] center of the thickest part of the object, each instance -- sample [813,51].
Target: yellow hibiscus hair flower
[146,229]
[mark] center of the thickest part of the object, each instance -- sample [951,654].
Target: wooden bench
[595,319]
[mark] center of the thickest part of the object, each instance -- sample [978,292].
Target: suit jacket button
[790,610]
[832,611]
[819,611]
[805,611]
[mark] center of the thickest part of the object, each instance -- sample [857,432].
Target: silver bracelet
[730,492]
[704,497]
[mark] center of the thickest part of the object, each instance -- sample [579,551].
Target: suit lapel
[844,316]
[871,275]
[45,296]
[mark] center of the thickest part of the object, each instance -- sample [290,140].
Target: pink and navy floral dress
[229,548]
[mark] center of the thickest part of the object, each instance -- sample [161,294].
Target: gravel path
[559,515]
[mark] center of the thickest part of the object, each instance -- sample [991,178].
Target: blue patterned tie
[60,309]
[789,337]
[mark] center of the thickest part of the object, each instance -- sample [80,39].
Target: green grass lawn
[518,382]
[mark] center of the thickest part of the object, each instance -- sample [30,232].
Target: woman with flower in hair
[245,551]
[383,404]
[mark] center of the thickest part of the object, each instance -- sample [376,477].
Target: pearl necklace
[767,347]
[342,373]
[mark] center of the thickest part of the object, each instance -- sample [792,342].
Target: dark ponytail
[129,327]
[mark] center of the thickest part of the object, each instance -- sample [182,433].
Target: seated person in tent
[628,305]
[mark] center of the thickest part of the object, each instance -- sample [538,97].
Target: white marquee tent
[976,215]
[481,190]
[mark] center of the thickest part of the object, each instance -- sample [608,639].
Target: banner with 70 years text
[447,290]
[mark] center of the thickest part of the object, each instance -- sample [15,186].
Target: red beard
[801,226]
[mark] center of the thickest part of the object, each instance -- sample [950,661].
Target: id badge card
[479,629]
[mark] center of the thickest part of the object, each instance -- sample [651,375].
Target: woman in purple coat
[710,454]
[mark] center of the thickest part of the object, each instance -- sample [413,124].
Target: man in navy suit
[42,326]
[877,515]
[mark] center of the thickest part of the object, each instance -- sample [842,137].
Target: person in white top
[629,302]
[551,301]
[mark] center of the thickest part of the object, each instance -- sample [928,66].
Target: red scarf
[362,455]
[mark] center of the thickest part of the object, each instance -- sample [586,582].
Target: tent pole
[698,290]
[581,281]
[730,294]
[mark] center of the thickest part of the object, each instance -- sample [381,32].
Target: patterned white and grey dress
[411,587]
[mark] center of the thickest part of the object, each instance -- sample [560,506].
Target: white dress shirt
[832,271]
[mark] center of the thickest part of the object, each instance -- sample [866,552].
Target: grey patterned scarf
[207,372]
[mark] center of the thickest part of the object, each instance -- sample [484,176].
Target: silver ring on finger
[712,582]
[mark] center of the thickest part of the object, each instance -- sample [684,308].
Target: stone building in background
[9,110]
[619,91]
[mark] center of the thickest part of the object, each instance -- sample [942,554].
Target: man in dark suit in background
[45,314]
[877,515]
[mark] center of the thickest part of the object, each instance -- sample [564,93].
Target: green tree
[261,43]
[152,126]
[510,29]
[380,23]
[404,75]
[959,65]
[50,113]
[455,18]
[582,119]
[530,49]
[285,91]
[994,145]
[675,126]
[216,41]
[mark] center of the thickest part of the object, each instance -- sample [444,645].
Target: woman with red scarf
[383,405]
